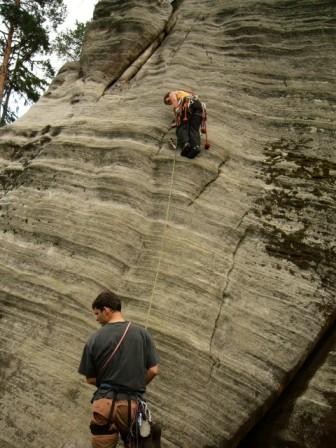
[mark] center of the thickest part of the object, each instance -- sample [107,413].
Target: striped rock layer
[228,259]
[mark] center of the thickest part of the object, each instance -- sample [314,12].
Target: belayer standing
[120,359]
[190,116]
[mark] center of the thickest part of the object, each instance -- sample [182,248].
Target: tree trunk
[6,94]
[6,57]
[5,102]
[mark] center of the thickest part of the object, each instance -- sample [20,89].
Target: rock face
[296,420]
[229,259]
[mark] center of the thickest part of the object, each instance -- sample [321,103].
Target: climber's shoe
[193,152]
[185,150]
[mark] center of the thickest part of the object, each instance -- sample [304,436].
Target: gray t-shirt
[127,369]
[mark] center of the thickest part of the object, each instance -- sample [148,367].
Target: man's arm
[91,381]
[87,365]
[152,372]
[174,100]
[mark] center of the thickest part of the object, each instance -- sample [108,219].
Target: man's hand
[152,372]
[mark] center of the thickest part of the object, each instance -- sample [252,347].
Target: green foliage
[68,45]
[25,28]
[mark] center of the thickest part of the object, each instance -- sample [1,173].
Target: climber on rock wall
[120,359]
[190,115]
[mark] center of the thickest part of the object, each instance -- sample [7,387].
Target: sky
[81,10]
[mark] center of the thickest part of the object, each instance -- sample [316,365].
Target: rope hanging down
[162,240]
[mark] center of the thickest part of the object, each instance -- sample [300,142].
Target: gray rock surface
[297,421]
[242,237]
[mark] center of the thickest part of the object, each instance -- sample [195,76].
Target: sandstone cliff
[242,237]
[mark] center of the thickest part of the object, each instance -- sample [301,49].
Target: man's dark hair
[107,299]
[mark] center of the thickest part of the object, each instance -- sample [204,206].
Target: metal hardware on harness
[142,423]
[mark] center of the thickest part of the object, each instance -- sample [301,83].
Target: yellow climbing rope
[162,240]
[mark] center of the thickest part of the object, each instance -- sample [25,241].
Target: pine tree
[24,41]
[68,44]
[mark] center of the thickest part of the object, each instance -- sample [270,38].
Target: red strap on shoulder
[117,346]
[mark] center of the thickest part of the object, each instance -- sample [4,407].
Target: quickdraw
[141,425]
